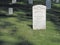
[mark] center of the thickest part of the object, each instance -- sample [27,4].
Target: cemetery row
[48,4]
[30,2]
[39,14]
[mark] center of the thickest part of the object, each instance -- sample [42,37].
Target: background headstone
[14,1]
[48,4]
[39,17]
[57,1]
[10,11]
[30,1]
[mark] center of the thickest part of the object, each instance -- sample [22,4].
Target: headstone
[30,1]
[48,4]
[53,0]
[39,17]
[10,11]
[57,1]
[13,1]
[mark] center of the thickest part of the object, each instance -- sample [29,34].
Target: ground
[17,29]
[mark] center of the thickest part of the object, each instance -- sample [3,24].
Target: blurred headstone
[10,11]
[57,1]
[48,4]
[53,0]
[39,17]
[14,1]
[30,1]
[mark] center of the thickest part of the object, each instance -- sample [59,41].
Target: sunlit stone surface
[39,17]
[10,11]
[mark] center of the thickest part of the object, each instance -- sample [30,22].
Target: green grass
[56,7]
[16,30]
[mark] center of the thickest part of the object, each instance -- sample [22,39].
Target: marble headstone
[10,11]
[57,1]
[39,17]
[30,1]
[48,4]
[13,1]
[53,0]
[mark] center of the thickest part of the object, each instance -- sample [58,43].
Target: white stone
[48,4]
[13,1]
[39,17]
[10,11]
[57,1]
[30,1]
[53,0]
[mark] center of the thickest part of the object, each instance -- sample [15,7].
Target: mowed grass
[17,30]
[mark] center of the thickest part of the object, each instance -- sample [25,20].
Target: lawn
[17,29]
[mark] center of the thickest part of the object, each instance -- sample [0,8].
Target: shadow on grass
[19,39]
[19,42]
[55,40]
[55,18]
[4,24]
[6,16]
[21,17]
[1,42]
[25,42]
[25,12]
[31,26]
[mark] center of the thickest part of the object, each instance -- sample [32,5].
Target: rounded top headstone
[39,6]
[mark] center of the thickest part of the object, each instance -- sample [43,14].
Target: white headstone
[10,11]
[39,17]
[48,4]
[53,0]
[30,1]
[57,1]
[13,1]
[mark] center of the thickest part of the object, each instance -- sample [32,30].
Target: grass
[56,7]
[17,30]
